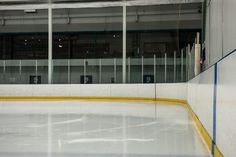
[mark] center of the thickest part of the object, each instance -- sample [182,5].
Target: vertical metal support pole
[4,71]
[49,43]
[4,66]
[84,71]
[174,66]
[129,70]
[36,68]
[186,63]
[190,66]
[68,71]
[100,71]
[142,68]
[154,68]
[182,66]
[190,62]
[124,44]
[52,70]
[20,69]
[114,70]
[165,67]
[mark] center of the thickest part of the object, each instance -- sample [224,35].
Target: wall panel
[220,29]
[226,106]
[229,26]
[200,98]
[171,90]
[215,30]
[176,91]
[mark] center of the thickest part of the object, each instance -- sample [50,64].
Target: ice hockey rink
[98,129]
[117,78]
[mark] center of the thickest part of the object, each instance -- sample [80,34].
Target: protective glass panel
[91,36]
[23,43]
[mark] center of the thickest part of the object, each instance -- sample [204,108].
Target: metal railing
[67,71]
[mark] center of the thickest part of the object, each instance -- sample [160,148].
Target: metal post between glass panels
[114,70]
[165,67]
[84,71]
[20,67]
[142,69]
[36,68]
[189,61]
[186,66]
[68,71]
[129,70]
[100,71]
[182,66]
[154,68]
[174,66]
[4,71]
[52,71]
[4,66]
[190,65]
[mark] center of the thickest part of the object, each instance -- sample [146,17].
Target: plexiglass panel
[24,43]
[93,37]
[87,40]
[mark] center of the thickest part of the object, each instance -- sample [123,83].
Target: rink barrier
[203,133]
[62,98]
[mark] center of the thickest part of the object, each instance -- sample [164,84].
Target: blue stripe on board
[214,108]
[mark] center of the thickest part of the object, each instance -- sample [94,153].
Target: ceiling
[66,4]
[11,2]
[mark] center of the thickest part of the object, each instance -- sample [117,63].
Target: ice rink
[97,129]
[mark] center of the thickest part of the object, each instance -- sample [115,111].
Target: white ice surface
[97,129]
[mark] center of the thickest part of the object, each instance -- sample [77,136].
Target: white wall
[171,90]
[220,29]
[226,106]
[215,31]
[200,97]
[229,26]
[220,41]
[177,91]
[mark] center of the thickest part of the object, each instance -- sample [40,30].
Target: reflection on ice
[90,128]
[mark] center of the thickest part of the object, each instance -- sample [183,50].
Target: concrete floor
[97,129]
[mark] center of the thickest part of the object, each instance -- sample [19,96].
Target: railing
[96,71]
